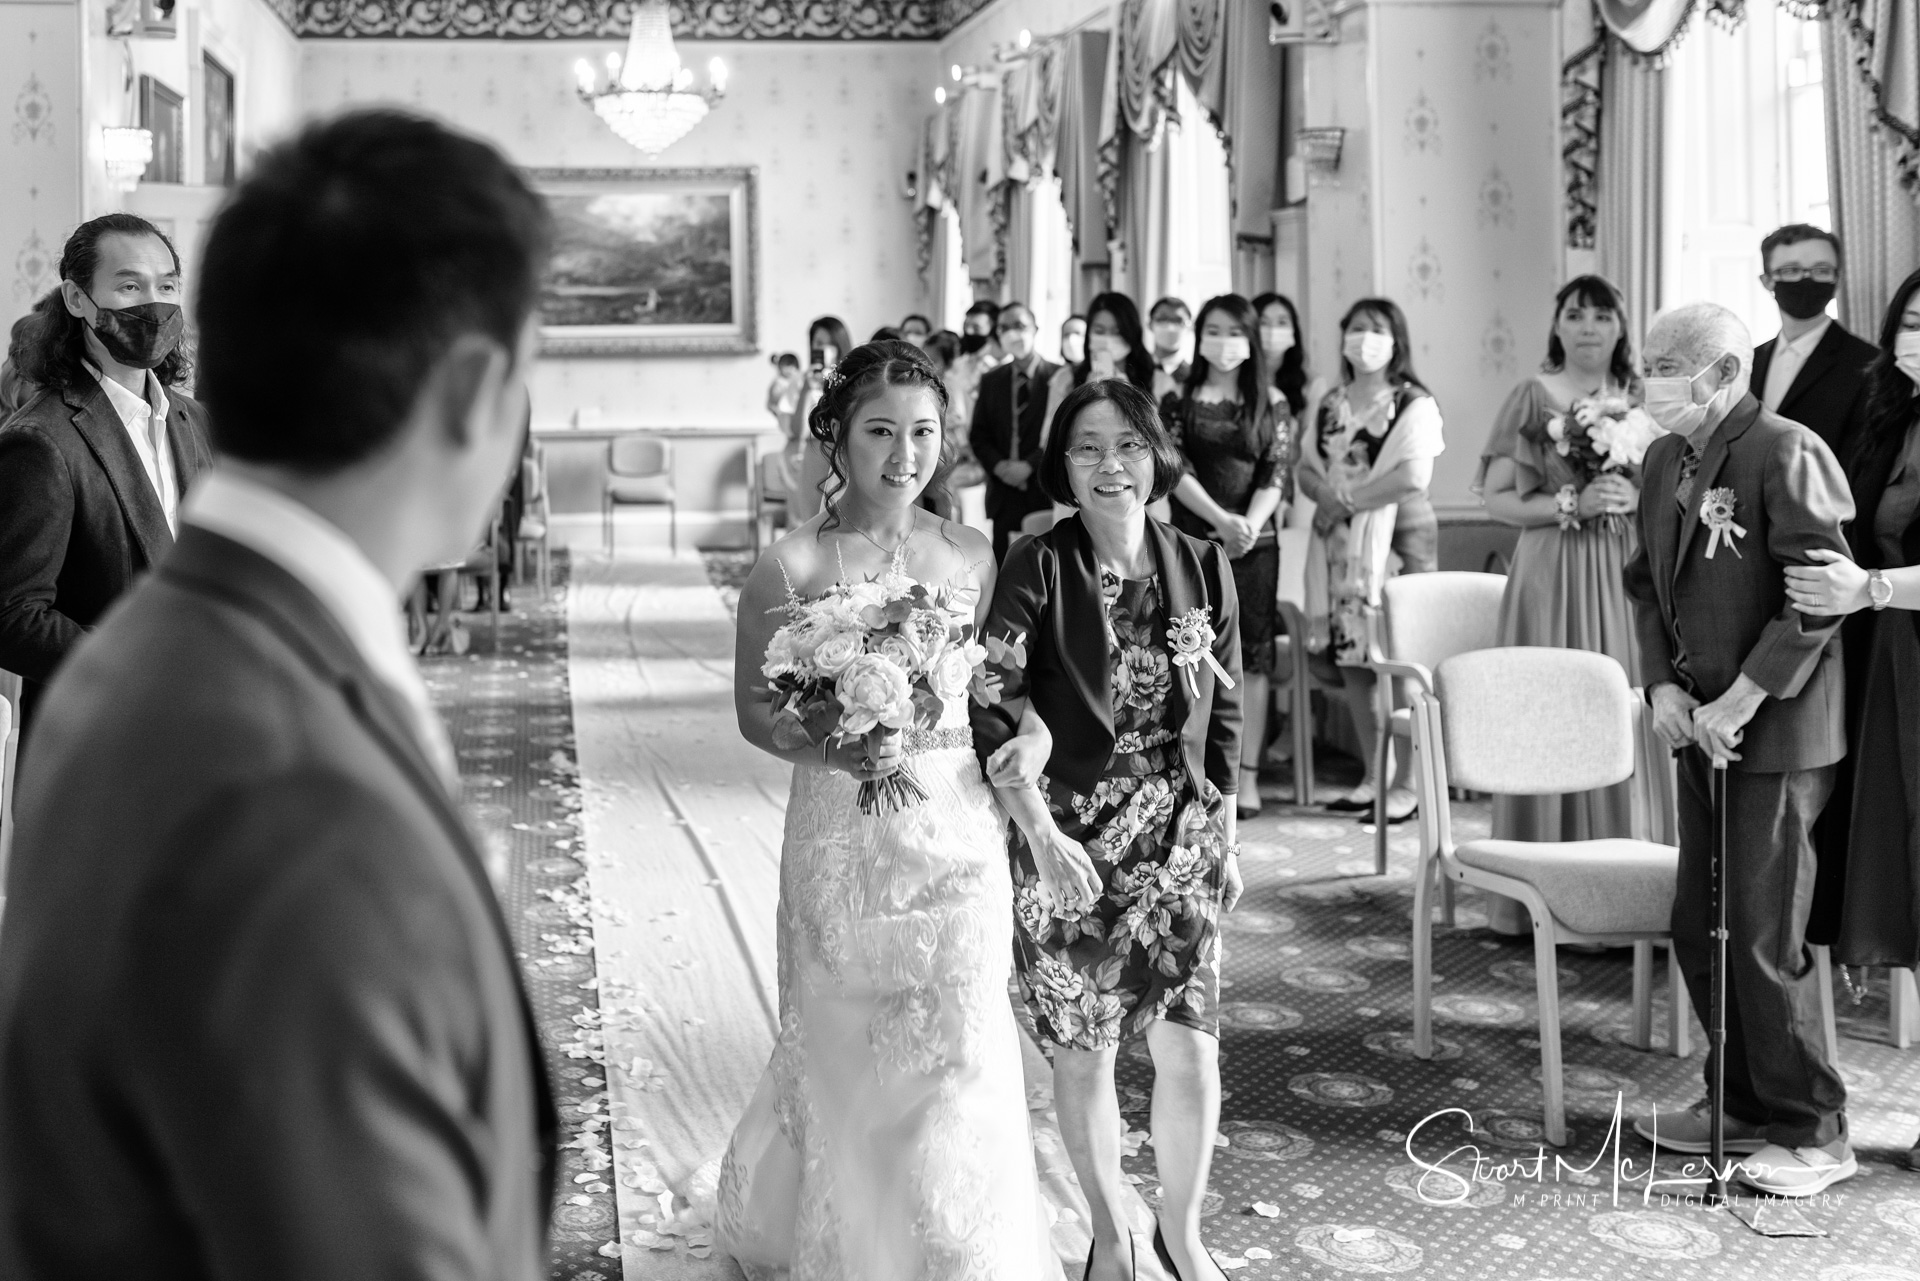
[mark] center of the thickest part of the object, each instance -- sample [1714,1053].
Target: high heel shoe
[1165,1256]
[1133,1254]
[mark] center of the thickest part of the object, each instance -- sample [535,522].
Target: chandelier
[127,153]
[649,98]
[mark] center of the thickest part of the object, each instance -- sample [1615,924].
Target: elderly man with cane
[1739,678]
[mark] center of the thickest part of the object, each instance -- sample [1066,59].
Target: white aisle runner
[683,823]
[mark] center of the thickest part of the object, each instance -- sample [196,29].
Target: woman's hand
[871,756]
[1066,869]
[1231,886]
[1607,495]
[1020,761]
[1236,534]
[1834,586]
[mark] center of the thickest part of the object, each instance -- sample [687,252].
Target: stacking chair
[1424,620]
[766,501]
[482,564]
[1291,657]
[533,540]
[639,474]
[1531,721]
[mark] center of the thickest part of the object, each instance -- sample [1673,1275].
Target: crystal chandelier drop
[127,153]
[649,98]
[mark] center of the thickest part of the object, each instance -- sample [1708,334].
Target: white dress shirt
[333,568]
[146,422]
[1788,360]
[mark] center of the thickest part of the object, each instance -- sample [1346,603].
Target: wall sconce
[1320,148]
[127,152]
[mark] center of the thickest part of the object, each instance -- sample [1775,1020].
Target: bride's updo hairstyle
[865,373]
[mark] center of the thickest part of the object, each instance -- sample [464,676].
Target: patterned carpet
[1311,1177]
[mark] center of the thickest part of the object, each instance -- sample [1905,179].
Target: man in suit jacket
[93,464]
[259,1011]
[1735,672]
[1814,372]
[1005,433]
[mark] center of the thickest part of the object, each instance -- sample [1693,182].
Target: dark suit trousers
[1777,1071]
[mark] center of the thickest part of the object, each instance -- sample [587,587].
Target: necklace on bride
[896,555]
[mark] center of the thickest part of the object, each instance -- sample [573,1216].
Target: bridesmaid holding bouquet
[1562,463]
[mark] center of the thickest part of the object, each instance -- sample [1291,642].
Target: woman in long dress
[804,459]
[1235,432]
[1566,587]
[1879,588]
[1366,464]
[1127,644]
[889,1136]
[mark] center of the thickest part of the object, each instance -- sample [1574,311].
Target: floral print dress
[1149,948]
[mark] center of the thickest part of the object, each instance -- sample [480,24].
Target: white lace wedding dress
[888,1140]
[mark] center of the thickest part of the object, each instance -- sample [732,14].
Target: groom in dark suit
[1007,417]
[1733,671]
[260,1015]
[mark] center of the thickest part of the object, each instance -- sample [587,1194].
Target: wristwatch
[1879,589]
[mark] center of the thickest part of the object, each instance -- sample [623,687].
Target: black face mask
[1803,299]
[970,343]
[141,336]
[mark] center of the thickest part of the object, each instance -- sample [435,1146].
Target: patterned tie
[1019,405]
[1683,488]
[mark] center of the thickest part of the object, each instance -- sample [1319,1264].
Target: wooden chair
[533,540]
[766,500]
[1530,721]
[639,474]
[483,565]
[1424,620]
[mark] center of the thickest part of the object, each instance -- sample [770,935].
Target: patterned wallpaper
[700,19]
[39,150]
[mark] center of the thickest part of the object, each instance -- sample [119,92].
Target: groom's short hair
[1702,331]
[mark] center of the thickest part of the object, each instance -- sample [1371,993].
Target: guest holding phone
[803,461]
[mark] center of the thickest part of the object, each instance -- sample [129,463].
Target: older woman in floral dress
[1123,635]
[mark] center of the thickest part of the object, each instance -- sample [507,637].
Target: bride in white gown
[888,1140]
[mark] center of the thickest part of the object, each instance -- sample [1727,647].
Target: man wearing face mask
[1073,340]
[1815,372]
[93,466]
[1005,431]
[978,354]
[1170,324]
[1731,498]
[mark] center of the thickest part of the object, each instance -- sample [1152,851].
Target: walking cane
[1717,995]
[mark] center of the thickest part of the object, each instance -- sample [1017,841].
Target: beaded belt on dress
[937,740]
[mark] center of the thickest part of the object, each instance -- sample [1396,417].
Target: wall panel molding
[610,19]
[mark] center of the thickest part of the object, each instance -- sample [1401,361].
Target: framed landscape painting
[649,261]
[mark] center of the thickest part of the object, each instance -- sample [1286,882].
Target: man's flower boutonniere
[1192,637]
[1716,513]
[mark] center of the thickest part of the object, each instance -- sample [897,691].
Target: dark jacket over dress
[1829,394]
[1729,614]
[1870,840]
[996,438]
[79,521]
[260,1015]
[1049,592]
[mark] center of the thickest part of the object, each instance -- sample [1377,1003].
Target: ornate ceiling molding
[611,19]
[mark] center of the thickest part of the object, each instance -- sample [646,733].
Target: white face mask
[1105,352]
[1277,339]
[1167,335]
[1670,402]
[1072,347]
[1906,353]
[1368,352]
[1225,351]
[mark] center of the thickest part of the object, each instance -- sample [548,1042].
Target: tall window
[1199,217]
[1746,152]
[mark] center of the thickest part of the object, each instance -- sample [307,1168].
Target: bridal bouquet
[871,659]
[1598,434]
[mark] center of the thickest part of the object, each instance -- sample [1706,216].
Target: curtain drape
[1076,152]
[1627,225]
[1870,64]
[1252,80]
[980,169]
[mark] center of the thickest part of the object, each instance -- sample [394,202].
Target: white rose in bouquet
[838,651]
[951,673]
[873,691]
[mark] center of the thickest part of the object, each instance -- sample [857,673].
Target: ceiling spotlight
[1026,38]
[940,95]
[957,73]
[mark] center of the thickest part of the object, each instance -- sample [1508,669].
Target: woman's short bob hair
[1136,409]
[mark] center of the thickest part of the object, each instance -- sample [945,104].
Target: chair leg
[673,528]
[606,523]
[1679,1008]
[1302,734]
[494,597]
[1823,971]
[1446,903]
[1381,743]
[1423,955]
[1546,962]
[1642,1037]
[1903,1008]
